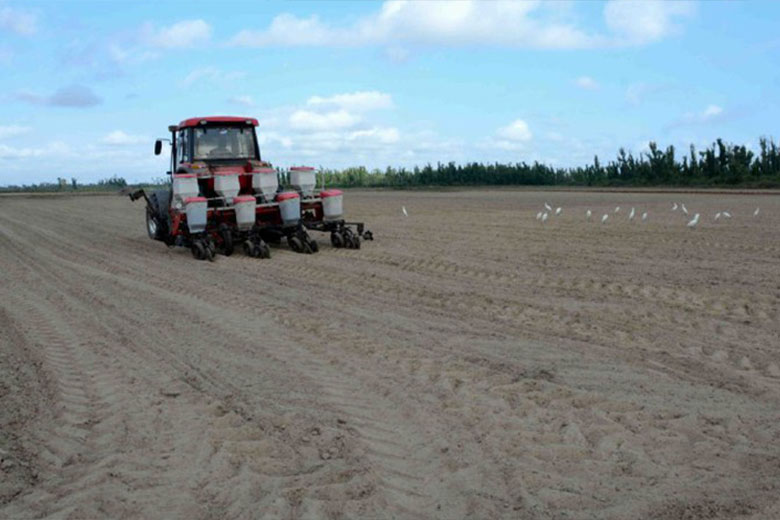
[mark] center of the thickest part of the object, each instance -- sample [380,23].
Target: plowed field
[471,362]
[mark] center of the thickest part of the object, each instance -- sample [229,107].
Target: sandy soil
[470,363]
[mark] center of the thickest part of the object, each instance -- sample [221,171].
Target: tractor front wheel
[152,226]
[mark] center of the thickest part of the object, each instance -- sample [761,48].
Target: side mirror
[157,147]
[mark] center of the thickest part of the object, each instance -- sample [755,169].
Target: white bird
[674,208]
[538,215]
[631,215]
[544,217]
[644,216]
[588,214]
[695,221]
[727,214]
[685,210]
[547,207]
[558,211]
[617,209]
[604,218]
[717,215]
[755,213]
[403,208]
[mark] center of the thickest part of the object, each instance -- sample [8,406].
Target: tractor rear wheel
[337,239]
[157,218]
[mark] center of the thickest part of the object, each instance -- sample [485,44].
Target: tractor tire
[337,240]
[158,223]
[152,226]
[251,249]
[198,250]
[314,246]
[295,244]
[226,236]
[356,242]
[265,251]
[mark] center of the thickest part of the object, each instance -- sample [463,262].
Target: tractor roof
[195,121]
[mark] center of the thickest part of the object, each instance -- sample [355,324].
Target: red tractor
[222,194]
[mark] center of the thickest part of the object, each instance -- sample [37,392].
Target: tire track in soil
[383,450]
[266,309]
[323,367]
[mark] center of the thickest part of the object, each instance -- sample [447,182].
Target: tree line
[110,184]
[720,164]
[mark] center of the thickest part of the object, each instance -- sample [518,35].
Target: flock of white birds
[544,214]
[548,210]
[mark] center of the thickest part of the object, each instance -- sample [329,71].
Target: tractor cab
[212,142]
[215,155]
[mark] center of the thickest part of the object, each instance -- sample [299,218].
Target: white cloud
[8,152]
[357,101]
[530,24]
[468,22]
[515,136]
[337,129]
[287,30]
[380,135]
[245,101]
[587,83]
[120,138]
[211,74]
[86,160]
[52,150]
[18,21]
[516,131]
[307,120]
[647,21]
[132,55]
[711,111]
[273,138]
[711,114]
[186,33]
[13,131]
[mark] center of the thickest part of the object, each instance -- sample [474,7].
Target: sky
[87,86]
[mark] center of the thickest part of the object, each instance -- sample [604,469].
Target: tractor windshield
[224,142]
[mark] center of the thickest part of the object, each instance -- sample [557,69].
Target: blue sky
[87,86]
